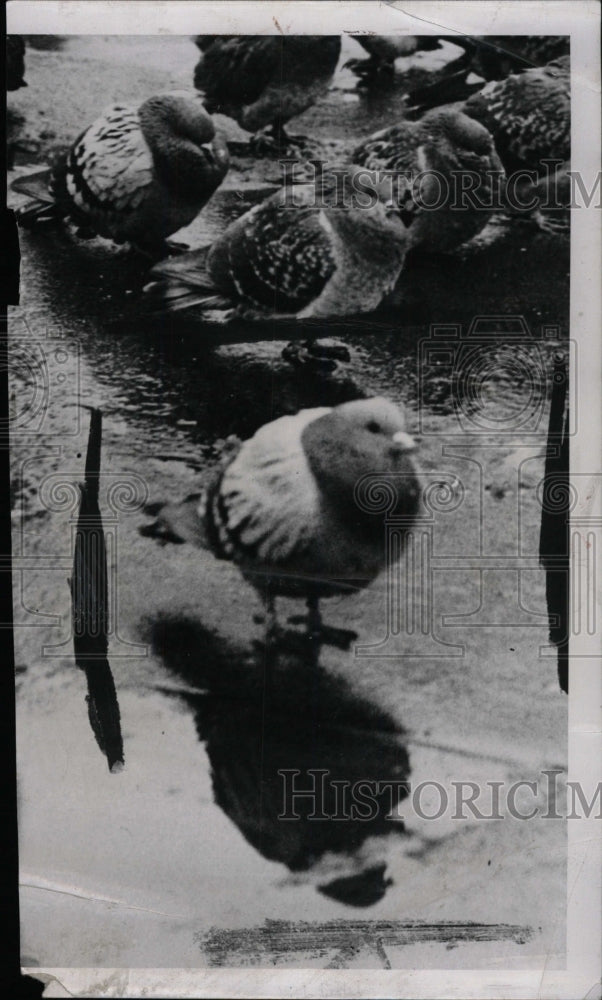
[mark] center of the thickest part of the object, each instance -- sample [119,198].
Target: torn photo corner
[304,432]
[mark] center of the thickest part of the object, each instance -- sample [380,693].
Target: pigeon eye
[373,427]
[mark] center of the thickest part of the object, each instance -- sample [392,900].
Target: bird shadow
[305,730]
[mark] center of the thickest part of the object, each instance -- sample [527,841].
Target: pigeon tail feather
[37,212]
[35,185]
[43,206]
[174,296]
[183,283]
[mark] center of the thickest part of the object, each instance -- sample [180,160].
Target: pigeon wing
[399,149]
[528,113]
[277,255]
[392,148]
[269,502]
[110,167]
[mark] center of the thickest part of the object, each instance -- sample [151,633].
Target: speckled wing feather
[528,113]
[266,505]
[392,148]
[407,151]
[276,255]
[109,169]
[398,149]
[418,155]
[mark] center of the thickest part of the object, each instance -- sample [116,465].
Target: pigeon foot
[326,635]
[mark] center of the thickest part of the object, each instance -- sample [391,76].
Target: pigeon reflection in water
[311,723]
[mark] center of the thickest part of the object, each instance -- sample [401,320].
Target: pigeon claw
[278,143]
[549,225]
[327,635]
[371,72]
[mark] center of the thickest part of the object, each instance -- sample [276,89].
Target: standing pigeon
[136,175]
[529,116]
[15,62]
[384,50]
[262,81]
[429,161]
[285,508]
[308,251]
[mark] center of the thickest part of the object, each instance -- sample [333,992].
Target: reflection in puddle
[305,733]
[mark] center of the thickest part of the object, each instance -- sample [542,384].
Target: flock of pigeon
[283,506]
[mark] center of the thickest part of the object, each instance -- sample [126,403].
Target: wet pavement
[180,858]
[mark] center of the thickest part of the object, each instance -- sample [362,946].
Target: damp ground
[181,858]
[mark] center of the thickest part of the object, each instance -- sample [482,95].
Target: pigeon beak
[213,155]
[404,441]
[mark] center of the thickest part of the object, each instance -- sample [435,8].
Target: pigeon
[529,116]
[262,81]
[136,174]
[429,160]
[15,62]
[384,50]
[311,250]
[495,56]
[285,507]
[487,57]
